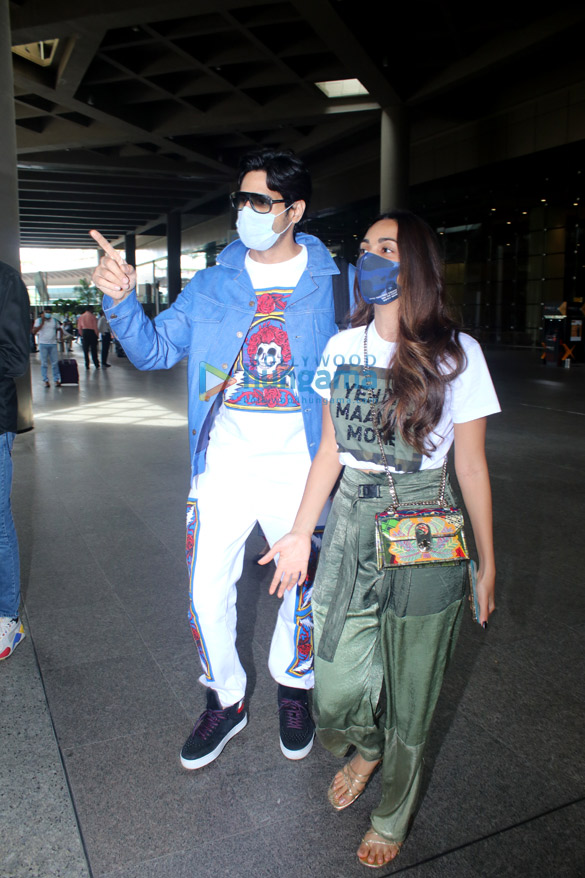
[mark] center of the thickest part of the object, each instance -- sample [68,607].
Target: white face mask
[255,229]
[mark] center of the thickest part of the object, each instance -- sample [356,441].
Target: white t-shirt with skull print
[260,404]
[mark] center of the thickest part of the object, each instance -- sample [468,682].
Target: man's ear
[297,210]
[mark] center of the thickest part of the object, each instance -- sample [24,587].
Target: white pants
[225,503]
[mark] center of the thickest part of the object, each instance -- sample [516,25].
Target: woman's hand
[486,582]
[113,276]
[474,481]
[293,550]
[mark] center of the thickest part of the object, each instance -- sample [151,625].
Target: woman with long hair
[401,386]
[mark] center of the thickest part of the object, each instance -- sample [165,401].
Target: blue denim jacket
[209,322]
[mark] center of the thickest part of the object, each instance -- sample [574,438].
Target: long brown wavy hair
[428,354]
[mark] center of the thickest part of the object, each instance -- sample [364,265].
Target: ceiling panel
[147,107]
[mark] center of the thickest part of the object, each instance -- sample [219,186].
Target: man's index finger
[106,246]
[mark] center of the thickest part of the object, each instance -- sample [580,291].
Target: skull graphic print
[264,367]
[268,357]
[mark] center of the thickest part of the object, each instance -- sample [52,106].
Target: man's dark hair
[285,173]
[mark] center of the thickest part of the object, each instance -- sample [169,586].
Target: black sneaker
[212,731]
[297,729]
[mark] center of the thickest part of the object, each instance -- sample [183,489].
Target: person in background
[46,328]
[14,360]
[87,327]
[106,334]
[33,338]
[68,333]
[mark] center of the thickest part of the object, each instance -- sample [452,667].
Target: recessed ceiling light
[41,53]
[342,88]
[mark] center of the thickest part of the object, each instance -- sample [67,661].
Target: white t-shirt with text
[469,396]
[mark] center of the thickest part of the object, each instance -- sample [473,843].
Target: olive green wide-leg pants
[394,629]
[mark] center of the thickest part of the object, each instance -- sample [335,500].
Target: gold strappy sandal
[372,839]
[354,782]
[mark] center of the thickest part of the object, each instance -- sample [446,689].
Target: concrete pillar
[9,235]
[130,248]
[394,158]
[9,231]
[210,254]
[173,254]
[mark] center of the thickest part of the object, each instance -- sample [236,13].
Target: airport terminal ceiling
[126,110]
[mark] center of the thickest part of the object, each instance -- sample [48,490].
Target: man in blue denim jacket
[259,321]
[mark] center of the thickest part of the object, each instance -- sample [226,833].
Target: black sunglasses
[259,203]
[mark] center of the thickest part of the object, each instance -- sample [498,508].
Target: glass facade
[512,238]
[153,279]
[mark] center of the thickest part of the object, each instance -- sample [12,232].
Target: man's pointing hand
[113,276]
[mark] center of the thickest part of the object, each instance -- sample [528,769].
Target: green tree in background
[66,306]
[87,294]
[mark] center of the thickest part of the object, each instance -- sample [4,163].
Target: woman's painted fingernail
[484,625]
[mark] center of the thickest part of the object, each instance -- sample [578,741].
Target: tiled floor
[98,699]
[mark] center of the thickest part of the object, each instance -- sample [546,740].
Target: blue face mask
[377,279]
